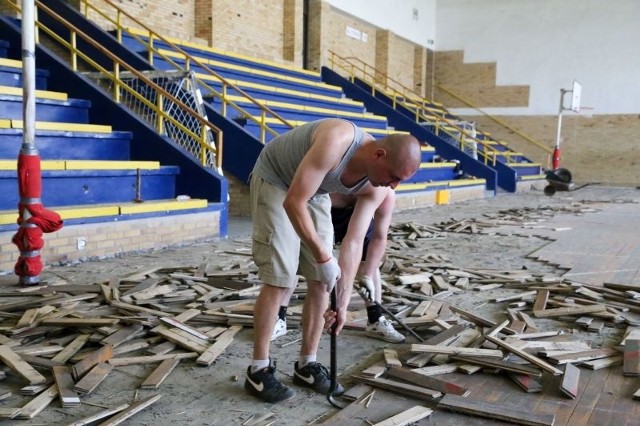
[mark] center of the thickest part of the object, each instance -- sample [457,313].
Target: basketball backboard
[576,93]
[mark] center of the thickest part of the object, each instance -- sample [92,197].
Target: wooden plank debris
[583,355]
[376,370]
[222,342]
[118,362]
[93,378]
[101,355]
[70,350]
[577,310]
[17,364]
[522,354]
[631,363]
[37,404]
[155,379]
[133,409]
[495,411]
[426,381]
[99,415]
[391,358]
[64,381]
[570,380]
[407,417]
[449,350]
[528,383]
[417,392]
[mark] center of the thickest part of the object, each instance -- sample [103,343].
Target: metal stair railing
[444,127]
[208,154]
[529,139]
[226,101]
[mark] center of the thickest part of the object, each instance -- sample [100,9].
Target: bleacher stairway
[299,96]
[112,198]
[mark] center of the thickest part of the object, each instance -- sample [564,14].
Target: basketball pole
[576,92]
[555,159]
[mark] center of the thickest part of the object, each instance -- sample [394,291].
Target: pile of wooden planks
[64,340]
[536,326]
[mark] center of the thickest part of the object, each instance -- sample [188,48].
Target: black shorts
[340,218]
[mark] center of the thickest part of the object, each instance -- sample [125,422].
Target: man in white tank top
[293,234]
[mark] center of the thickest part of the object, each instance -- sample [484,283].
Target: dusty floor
[214,395]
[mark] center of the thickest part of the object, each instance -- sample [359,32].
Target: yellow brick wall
[249,27]
[113,238]
[401,61]
[600,148]
[168,18]
[475,82]
[239,202]
[327,32]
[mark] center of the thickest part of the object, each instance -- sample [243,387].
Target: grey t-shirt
[279,159]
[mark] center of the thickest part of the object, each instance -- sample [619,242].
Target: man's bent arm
[351,247]
[331,141]
[378,243]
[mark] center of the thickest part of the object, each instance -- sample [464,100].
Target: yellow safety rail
[532,141]
[401,95]
[206,150]
[188,59]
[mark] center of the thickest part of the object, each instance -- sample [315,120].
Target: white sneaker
[280,329]
[383,330]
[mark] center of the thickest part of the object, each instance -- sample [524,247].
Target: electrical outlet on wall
[81,243]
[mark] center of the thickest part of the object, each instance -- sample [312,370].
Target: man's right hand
[329,272]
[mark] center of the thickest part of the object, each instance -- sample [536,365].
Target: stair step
[51,125]
[224,67]
[533,177]
[64,187]
[40,94]
[277,106]
[86,165]
[422,186]
[517,165]
[62,145]
[9,217]
[11,63]
[231,55]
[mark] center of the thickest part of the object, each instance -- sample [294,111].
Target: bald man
[293,233]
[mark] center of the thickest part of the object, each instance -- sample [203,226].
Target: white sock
[259,364]
[303,360]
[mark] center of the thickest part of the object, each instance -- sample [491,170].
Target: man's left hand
[366,289]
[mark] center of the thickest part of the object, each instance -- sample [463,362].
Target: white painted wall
[546,44]
[397,16]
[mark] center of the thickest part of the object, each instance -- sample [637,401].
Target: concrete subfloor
[214,395]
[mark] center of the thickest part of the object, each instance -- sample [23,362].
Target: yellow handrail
[413,101]
[119,85]
[188,59]
[495,119]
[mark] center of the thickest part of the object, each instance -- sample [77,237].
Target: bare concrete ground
[214,395]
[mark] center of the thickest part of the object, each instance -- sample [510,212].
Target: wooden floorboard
[600,249]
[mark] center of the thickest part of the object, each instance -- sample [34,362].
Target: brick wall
[419,70]
[113,238]
[475,82]
[249,27]
[328,31]
[239,202]
[401,61]
[598,148]
[168,18]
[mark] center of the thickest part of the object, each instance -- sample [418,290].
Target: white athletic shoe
[280,329]
[383,330]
